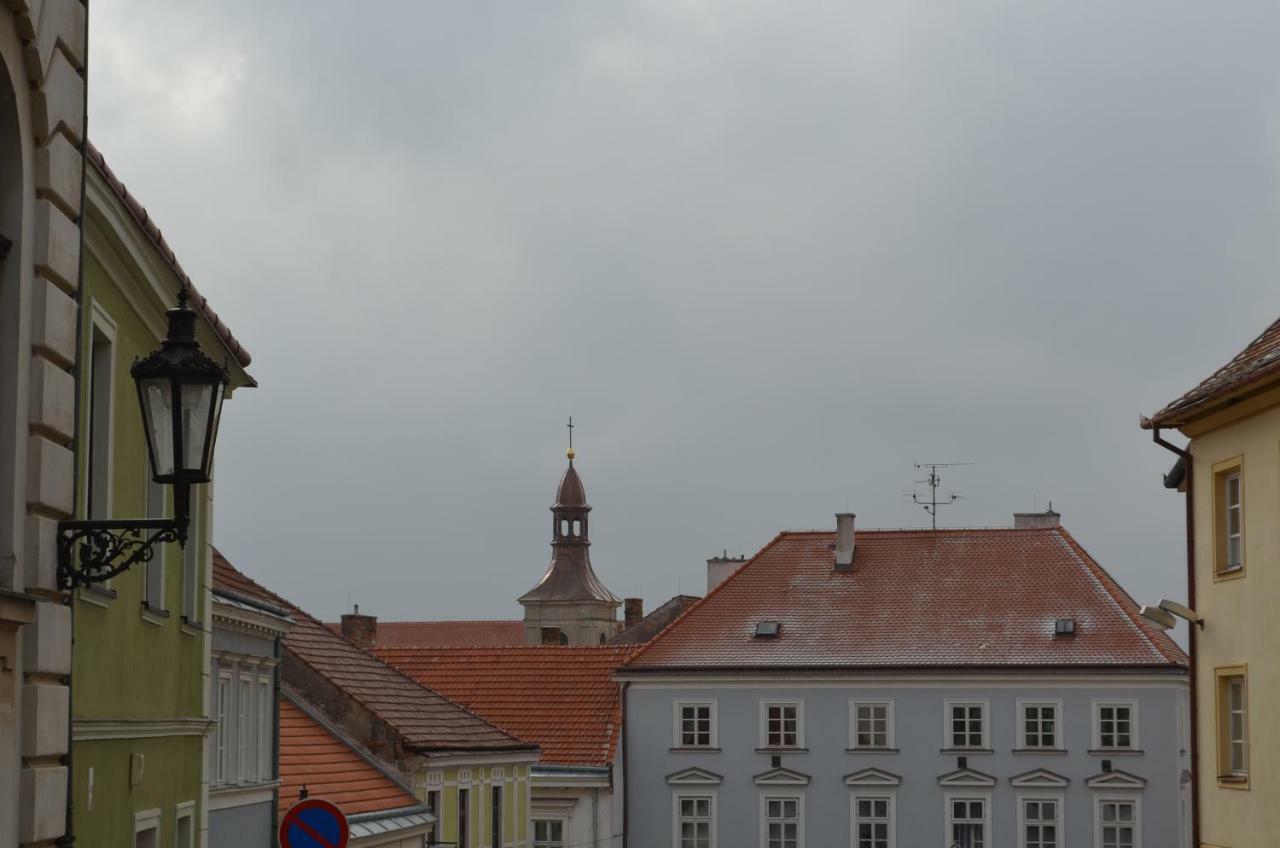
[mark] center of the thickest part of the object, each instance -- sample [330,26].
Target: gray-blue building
[909,688]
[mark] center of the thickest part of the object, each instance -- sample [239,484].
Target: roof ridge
[1096,571]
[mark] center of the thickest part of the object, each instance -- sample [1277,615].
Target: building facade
[893,689]
[42,123]
[243,748]
[1230,472]
[140,671]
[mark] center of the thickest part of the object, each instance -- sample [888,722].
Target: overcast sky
[767,255]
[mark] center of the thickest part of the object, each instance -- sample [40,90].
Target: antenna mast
[933,479]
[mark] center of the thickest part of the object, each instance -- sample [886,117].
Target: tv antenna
[933,480]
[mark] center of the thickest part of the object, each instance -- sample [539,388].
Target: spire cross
[570,426]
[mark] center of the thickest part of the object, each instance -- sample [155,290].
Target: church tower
[570,606]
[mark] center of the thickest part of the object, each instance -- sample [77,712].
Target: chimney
[844,541]
[360,630]
[633,611]
[1036,520]
[719,568]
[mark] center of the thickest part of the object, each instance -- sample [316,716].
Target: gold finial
[570,453]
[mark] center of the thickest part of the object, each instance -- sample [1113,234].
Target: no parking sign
[314,823]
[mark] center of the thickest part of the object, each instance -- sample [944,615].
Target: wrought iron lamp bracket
[95,551]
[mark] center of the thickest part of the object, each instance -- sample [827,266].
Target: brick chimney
[634,611]
[1036,520]
[360,630]
[845,541]
[719,568]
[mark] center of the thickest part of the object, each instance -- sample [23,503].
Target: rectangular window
[1116,726]
[153,596]
[1040,726]
[1040,825]
[872,724]
[101,402]
[695,725]
[782,824]
[433,804]
[694,822]
[966,724]
[782,725]
[184,829]
[464,804]
[548,833]
[495,817]
[872,822]
[967,822]
[1228,496]
[221,708]
[266,721]
[1117,823]
[146,829]
[244,732]
[191,561]
[1233,724]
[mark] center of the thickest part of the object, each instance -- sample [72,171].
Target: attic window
[1064,627]
[767,629]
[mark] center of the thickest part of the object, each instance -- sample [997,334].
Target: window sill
[1233,573]
[1233,781]
[1116,752]
[964,752]
[98,596]
[155,617]
[867,749]
[1047,752]
[779,749]
[694,749]
[191,628]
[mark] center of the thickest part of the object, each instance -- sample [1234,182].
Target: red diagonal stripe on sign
[310,831]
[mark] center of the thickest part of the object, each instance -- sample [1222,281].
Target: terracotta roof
[425,720]
[655,622]
[915,598]
[144,220]
[404,634]
[310,755]
[565,699]
[1259,360]
[227,579]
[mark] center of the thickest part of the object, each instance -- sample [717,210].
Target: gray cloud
[766,254]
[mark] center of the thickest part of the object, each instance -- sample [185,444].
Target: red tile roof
[227,580]
[426,720]
[655,622]
[144,220]
[404,634]
[1258,361]
[565,699]
[310,755]
[915,598]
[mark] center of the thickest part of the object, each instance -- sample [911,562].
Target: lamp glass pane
[157,413]
[197,405]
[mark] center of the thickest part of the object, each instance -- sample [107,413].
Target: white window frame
[192,559]
[547,843]
[765,797]
[1228,680]
[984,797]
[246,758]
[948,740]
[1023,703]
[677,728]
[870,794]
[677,797]
[1099,800]
[1228,507]
[1132,704]
[185,811]
[100,322]
[890,740]
[266,723]
[798,704]
[1058,799]
[147,820]
[222,717]
[153,572]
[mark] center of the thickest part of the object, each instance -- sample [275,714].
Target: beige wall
[1241,628]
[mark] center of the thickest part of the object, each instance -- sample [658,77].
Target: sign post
[314,823]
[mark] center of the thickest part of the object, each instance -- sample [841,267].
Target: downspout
[595,818]
[68,837]
[1193,709]
[626,784]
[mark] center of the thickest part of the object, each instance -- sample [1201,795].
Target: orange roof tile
[915,598]
[1259,360]
[564,699]
[310,755]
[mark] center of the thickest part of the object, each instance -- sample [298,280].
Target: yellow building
[1230,472]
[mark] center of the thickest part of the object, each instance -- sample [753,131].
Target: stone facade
[42,113]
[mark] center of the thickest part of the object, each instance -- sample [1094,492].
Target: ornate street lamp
[180,391]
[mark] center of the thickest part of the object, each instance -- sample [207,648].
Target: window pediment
[694,777]
[781,777]
[1116,780]
[1039,777]
[966,777]
[872,777]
